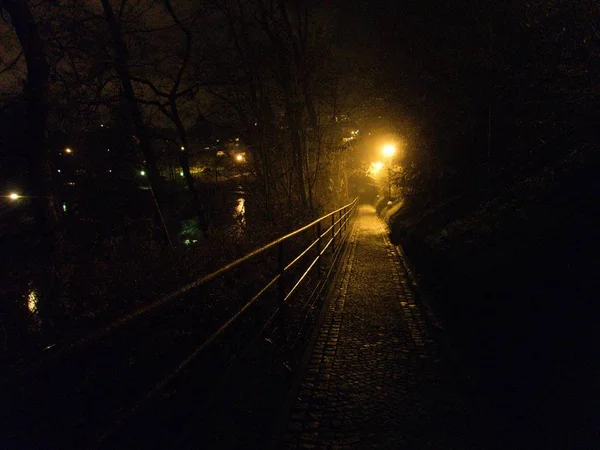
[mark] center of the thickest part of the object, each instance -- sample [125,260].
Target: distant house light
[220,153]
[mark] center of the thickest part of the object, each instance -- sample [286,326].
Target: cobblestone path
[376,377]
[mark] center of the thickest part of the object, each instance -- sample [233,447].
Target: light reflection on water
[32,301]
[240,211]
[239,215]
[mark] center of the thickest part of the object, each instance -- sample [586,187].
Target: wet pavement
[378,375]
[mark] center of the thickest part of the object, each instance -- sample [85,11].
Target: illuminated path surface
[376,377]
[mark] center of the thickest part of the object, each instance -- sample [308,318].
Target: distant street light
[239,157]
[68,150]
[388,150]
[376,167]
[15,196]
[143,173]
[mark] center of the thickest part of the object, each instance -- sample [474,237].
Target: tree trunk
[297,152]
[41,186]
[122,69]
[38,157]
[185,166]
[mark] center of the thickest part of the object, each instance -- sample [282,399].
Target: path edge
[278,429]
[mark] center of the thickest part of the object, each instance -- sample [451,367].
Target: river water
[21,320]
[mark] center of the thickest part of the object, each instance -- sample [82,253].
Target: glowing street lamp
[68,150]
[388,150]
[239,157]
[14,196]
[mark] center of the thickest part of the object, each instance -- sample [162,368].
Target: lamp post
[388,151]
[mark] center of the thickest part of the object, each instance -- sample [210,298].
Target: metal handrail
[55,351]
[310,256]
[345,213]
[348,209]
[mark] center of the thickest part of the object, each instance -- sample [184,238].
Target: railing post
[319,247]
[333,233]
[281,292]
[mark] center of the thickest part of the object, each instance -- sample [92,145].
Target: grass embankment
[512,273]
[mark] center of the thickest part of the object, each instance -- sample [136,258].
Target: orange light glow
[388,150]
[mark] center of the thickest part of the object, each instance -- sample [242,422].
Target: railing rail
[59,350]
[330,234]
[317,246]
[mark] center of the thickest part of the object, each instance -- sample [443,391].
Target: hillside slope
[512,272]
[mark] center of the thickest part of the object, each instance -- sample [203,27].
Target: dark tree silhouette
[122,69]
[36,97]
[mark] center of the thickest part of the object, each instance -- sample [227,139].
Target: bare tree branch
[151,85]
[11,64]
